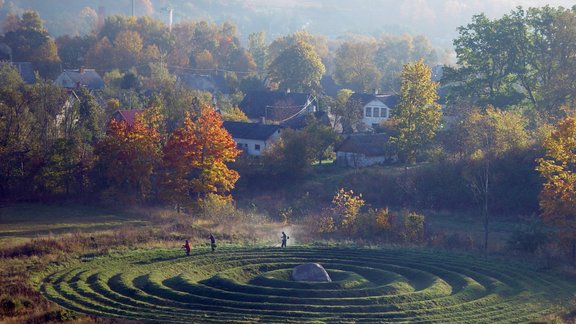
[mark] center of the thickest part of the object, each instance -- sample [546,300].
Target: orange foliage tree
[558,168]
[128,155]
[195,157]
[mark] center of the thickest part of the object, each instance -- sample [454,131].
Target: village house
[375,107]
[127,115]
[253,138]
[88,78]
[362,150]
[277,106]
[203,82]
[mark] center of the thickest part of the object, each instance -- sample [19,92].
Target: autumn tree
[558,168]
[297,68]
[258,50]
[30,42]
[417,114]
[355,65]
[127,158]
[394,51]
[343,212]
[195,157]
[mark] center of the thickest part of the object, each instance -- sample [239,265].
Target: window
[368,111]
[376,112]
[257,147]
[384,112]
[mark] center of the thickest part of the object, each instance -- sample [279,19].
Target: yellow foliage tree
[346,207]
[558,168]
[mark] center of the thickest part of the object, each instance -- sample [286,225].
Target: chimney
[81,70]
[376,92]
[101,18]
[262,120]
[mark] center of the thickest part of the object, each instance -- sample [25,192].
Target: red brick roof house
[127,115]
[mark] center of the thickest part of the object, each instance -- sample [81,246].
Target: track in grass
[252,285]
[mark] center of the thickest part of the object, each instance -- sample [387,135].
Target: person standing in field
[284,238]
[186,247]
[212,242]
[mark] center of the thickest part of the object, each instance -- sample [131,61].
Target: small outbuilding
[362,150]
[253,138]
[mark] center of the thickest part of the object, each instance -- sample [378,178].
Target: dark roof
[255,131]
[26,71]
[365,98]
[367,144]
[88,78]
[273,105]
[127,115]
[301,121]
[329,86]
[205,82]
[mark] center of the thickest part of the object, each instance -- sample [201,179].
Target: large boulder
[310,272]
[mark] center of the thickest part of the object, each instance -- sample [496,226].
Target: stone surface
[310,272]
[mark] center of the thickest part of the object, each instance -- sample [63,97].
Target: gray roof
[254,131]
[88,78]
[205,82]
[26,71]
[367,144]
[274,105]
[364,98]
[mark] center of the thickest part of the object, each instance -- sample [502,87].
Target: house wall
[371,119]
[64,80]
[256,147]
[357,160]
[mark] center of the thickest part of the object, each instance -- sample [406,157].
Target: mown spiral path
[252,285]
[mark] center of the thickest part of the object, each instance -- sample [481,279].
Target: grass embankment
[251,284]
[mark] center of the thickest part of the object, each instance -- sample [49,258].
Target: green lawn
[20,222]
[250,284]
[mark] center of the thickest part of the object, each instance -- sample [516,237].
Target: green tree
[488,136]
[297,68]
[347,113]
[417,114]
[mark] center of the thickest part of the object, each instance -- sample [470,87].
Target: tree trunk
[486,215]
[574,253]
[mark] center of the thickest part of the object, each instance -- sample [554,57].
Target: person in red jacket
[186,247]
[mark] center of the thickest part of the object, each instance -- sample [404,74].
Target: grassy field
[136,272]
[20,222]
[250,285]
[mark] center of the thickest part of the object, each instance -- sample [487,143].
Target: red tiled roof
[127,115]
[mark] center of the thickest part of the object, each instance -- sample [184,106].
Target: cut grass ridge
[252,284]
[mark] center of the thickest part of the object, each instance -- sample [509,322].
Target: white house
[376,108]
[253,138]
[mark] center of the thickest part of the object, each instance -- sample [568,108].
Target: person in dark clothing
[186,247]
[284,238]
[212,242]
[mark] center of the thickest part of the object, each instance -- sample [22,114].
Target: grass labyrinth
[252,284]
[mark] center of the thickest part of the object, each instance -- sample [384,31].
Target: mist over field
[436,19]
